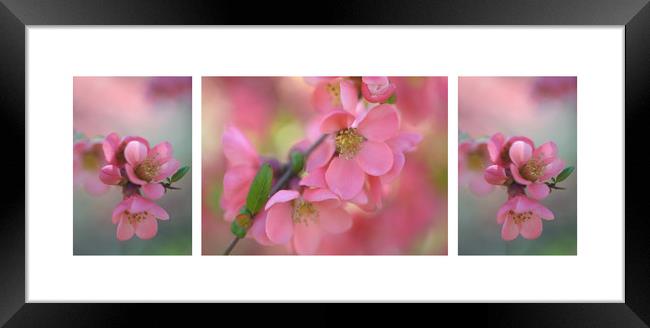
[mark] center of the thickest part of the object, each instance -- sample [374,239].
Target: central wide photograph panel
[324,165]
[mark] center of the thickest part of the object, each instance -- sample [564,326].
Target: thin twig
[282,181]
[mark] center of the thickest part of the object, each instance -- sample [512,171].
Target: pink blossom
[422,98]
[148,167]
[522,215]
[532,167]
[110,174]
[137,215]
[88,158]
[243,163]
[499,148]
[473,158]
[114,147]
[360,147]
[376,89]
[299,219]
[334,93]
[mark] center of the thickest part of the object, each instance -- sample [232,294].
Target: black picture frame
[15,15]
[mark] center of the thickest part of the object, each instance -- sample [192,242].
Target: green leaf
[297,162]
[180,174]
[564,174]
[258,194]
[238,230]
[392,99]
[78,135]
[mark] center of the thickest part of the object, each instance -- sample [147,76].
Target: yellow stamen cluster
[519,218]
[348,142]
[532,170]
[148,169]
[91,159]
[304,211]
[136,217]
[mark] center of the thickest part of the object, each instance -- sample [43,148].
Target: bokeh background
[273,112]
[543,109]
[158,109]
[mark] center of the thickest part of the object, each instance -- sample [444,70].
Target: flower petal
[279,223]
[258,229]
[321,155]
[306,238]
[520,153]
[153,190]
[162,152]
[130,172]
[158,211]
[282,196]
[147,228]
[398,164]
[334,219]
[495,175]
[323,196]
[335,121]
[315,178]
[167,169]
[237,149]
[135,152]
[509,230]
[538,190]
[375,158]
[125,230]
[344,178]
[110,146]
[543,212]
[349,97]
[546,152]
[494,146]
[552,169]
[514,170]
[531,228]
[380,124]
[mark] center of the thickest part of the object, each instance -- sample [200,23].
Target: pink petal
[552,169]
[543,212]
[282,196]
[258,229]
[546,152]
[524,204]
[404,142]
[94,186]
[349,97]
[398,164]
[135,152]
[514,170]
[502,213]
[167,169]
[158,211]
[494,146]
[520,153]
[510,230]
[315,178]
[380,124]
[110,145]
[479,186]
[360,199]
[335,121]
[322,99]
[138,204]
[279,223]
[334,219]
[125,230]
[130,172]
[531,228]
[321,155]
[110,175]
[495,175]
[119,210]
[153,190]
[374,79]
[237,149]
[538,190]
[323,196]
[306,239]
[344,178]
[147,228]
[162,152]
[375,158]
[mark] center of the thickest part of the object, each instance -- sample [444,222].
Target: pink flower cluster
[362,152]
[525,170]
[140,171]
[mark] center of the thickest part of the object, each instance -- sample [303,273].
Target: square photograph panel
[324,165]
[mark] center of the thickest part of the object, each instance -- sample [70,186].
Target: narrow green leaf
[297,161]
[258,194]
[180,173]
[564,174]
[392,99]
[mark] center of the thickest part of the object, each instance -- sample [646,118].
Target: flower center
[519,218]
[304,211]
[348,142]
[532,170]
[148,169]
[334,89]
[134,218]
[476,159]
